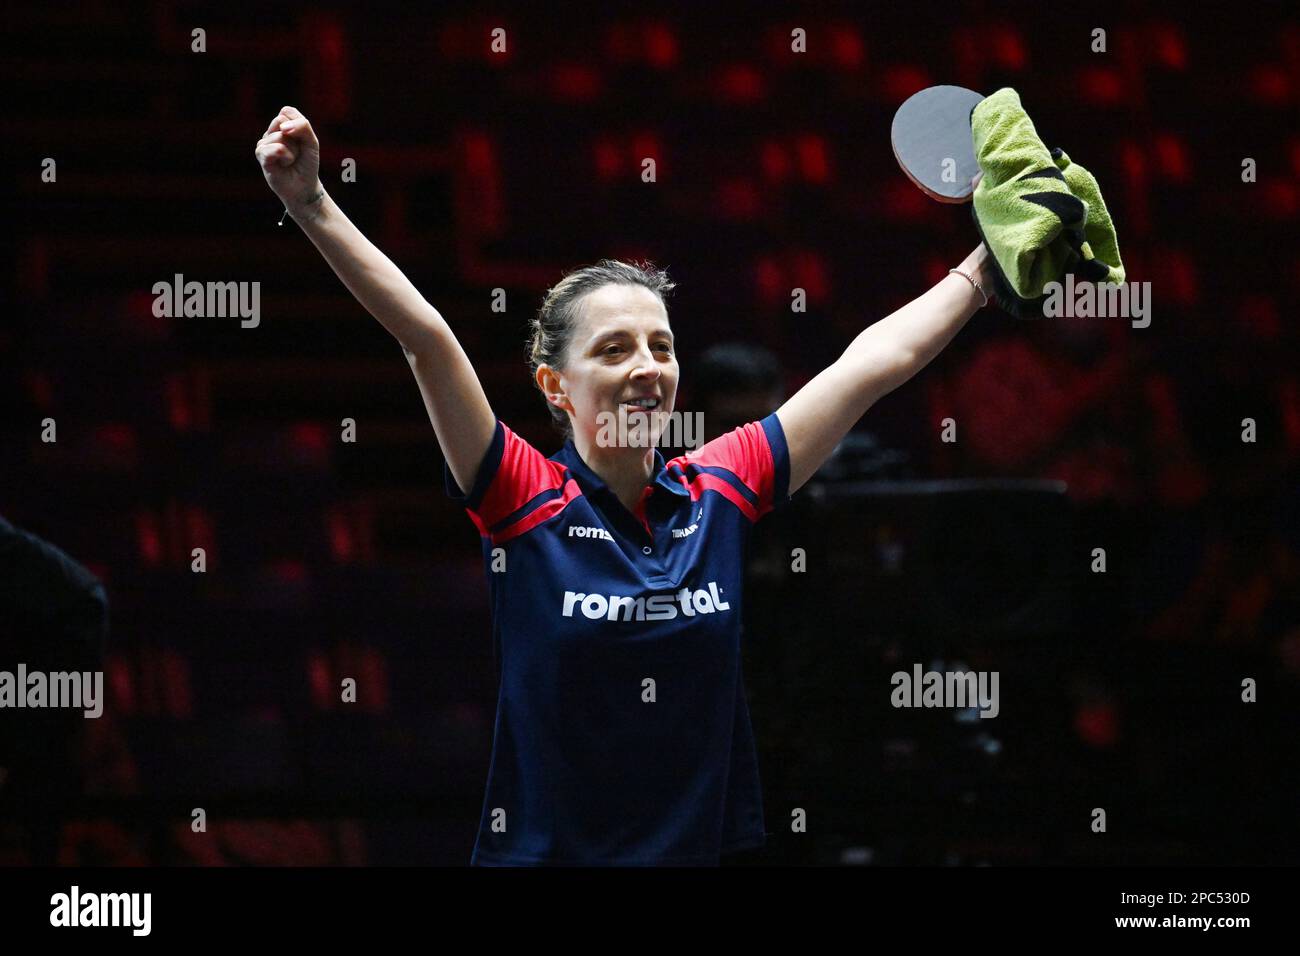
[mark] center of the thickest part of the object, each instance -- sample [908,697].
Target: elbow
[897,368]
[906,363]
[885,374]
[424,339]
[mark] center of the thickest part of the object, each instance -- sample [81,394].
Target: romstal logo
[655,607]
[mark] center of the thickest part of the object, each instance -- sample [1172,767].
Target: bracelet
[971,279]
[313,199]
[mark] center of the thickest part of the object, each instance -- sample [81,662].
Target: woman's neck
[626,471]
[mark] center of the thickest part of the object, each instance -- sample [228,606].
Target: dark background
[327,560]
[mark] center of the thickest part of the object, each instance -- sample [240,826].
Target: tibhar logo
[644,429]
[102,909]
[1086,300]
[578,531]
[957,689]
[215,300]
[58,689]
[656,607]
[689,529]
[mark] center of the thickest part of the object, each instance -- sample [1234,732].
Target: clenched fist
[289,154]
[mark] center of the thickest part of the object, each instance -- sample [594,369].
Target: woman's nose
[646,366]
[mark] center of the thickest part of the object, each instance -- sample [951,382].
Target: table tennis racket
[932,141]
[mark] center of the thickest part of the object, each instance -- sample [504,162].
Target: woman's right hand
[289,154]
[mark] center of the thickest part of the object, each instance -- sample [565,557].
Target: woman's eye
[612,349]
[665,346]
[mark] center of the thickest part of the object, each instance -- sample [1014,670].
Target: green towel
[1041,216]
[1099,232]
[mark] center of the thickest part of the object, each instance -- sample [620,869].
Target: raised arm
[289,154]
[881,358]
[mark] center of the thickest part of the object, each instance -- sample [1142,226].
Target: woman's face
[621,350]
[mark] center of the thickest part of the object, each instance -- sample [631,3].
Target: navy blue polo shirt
[622,734]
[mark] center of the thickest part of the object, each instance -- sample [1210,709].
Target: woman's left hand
[978,265]
[978,261]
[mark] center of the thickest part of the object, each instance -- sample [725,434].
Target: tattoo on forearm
[309,202]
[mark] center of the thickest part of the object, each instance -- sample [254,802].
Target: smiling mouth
[642,404]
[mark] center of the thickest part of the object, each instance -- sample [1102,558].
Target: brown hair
[552,329]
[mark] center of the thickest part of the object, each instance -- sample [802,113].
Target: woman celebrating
[622,733]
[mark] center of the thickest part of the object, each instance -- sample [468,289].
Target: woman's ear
[549,382]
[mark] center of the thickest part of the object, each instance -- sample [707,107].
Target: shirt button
[647,549]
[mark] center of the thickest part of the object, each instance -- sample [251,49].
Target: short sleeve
[515,489]
[749,465]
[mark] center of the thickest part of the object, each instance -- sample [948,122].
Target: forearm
[913,336]
[370,275]
[881,358]
[907,340]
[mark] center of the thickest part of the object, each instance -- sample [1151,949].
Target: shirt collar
[659,477]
